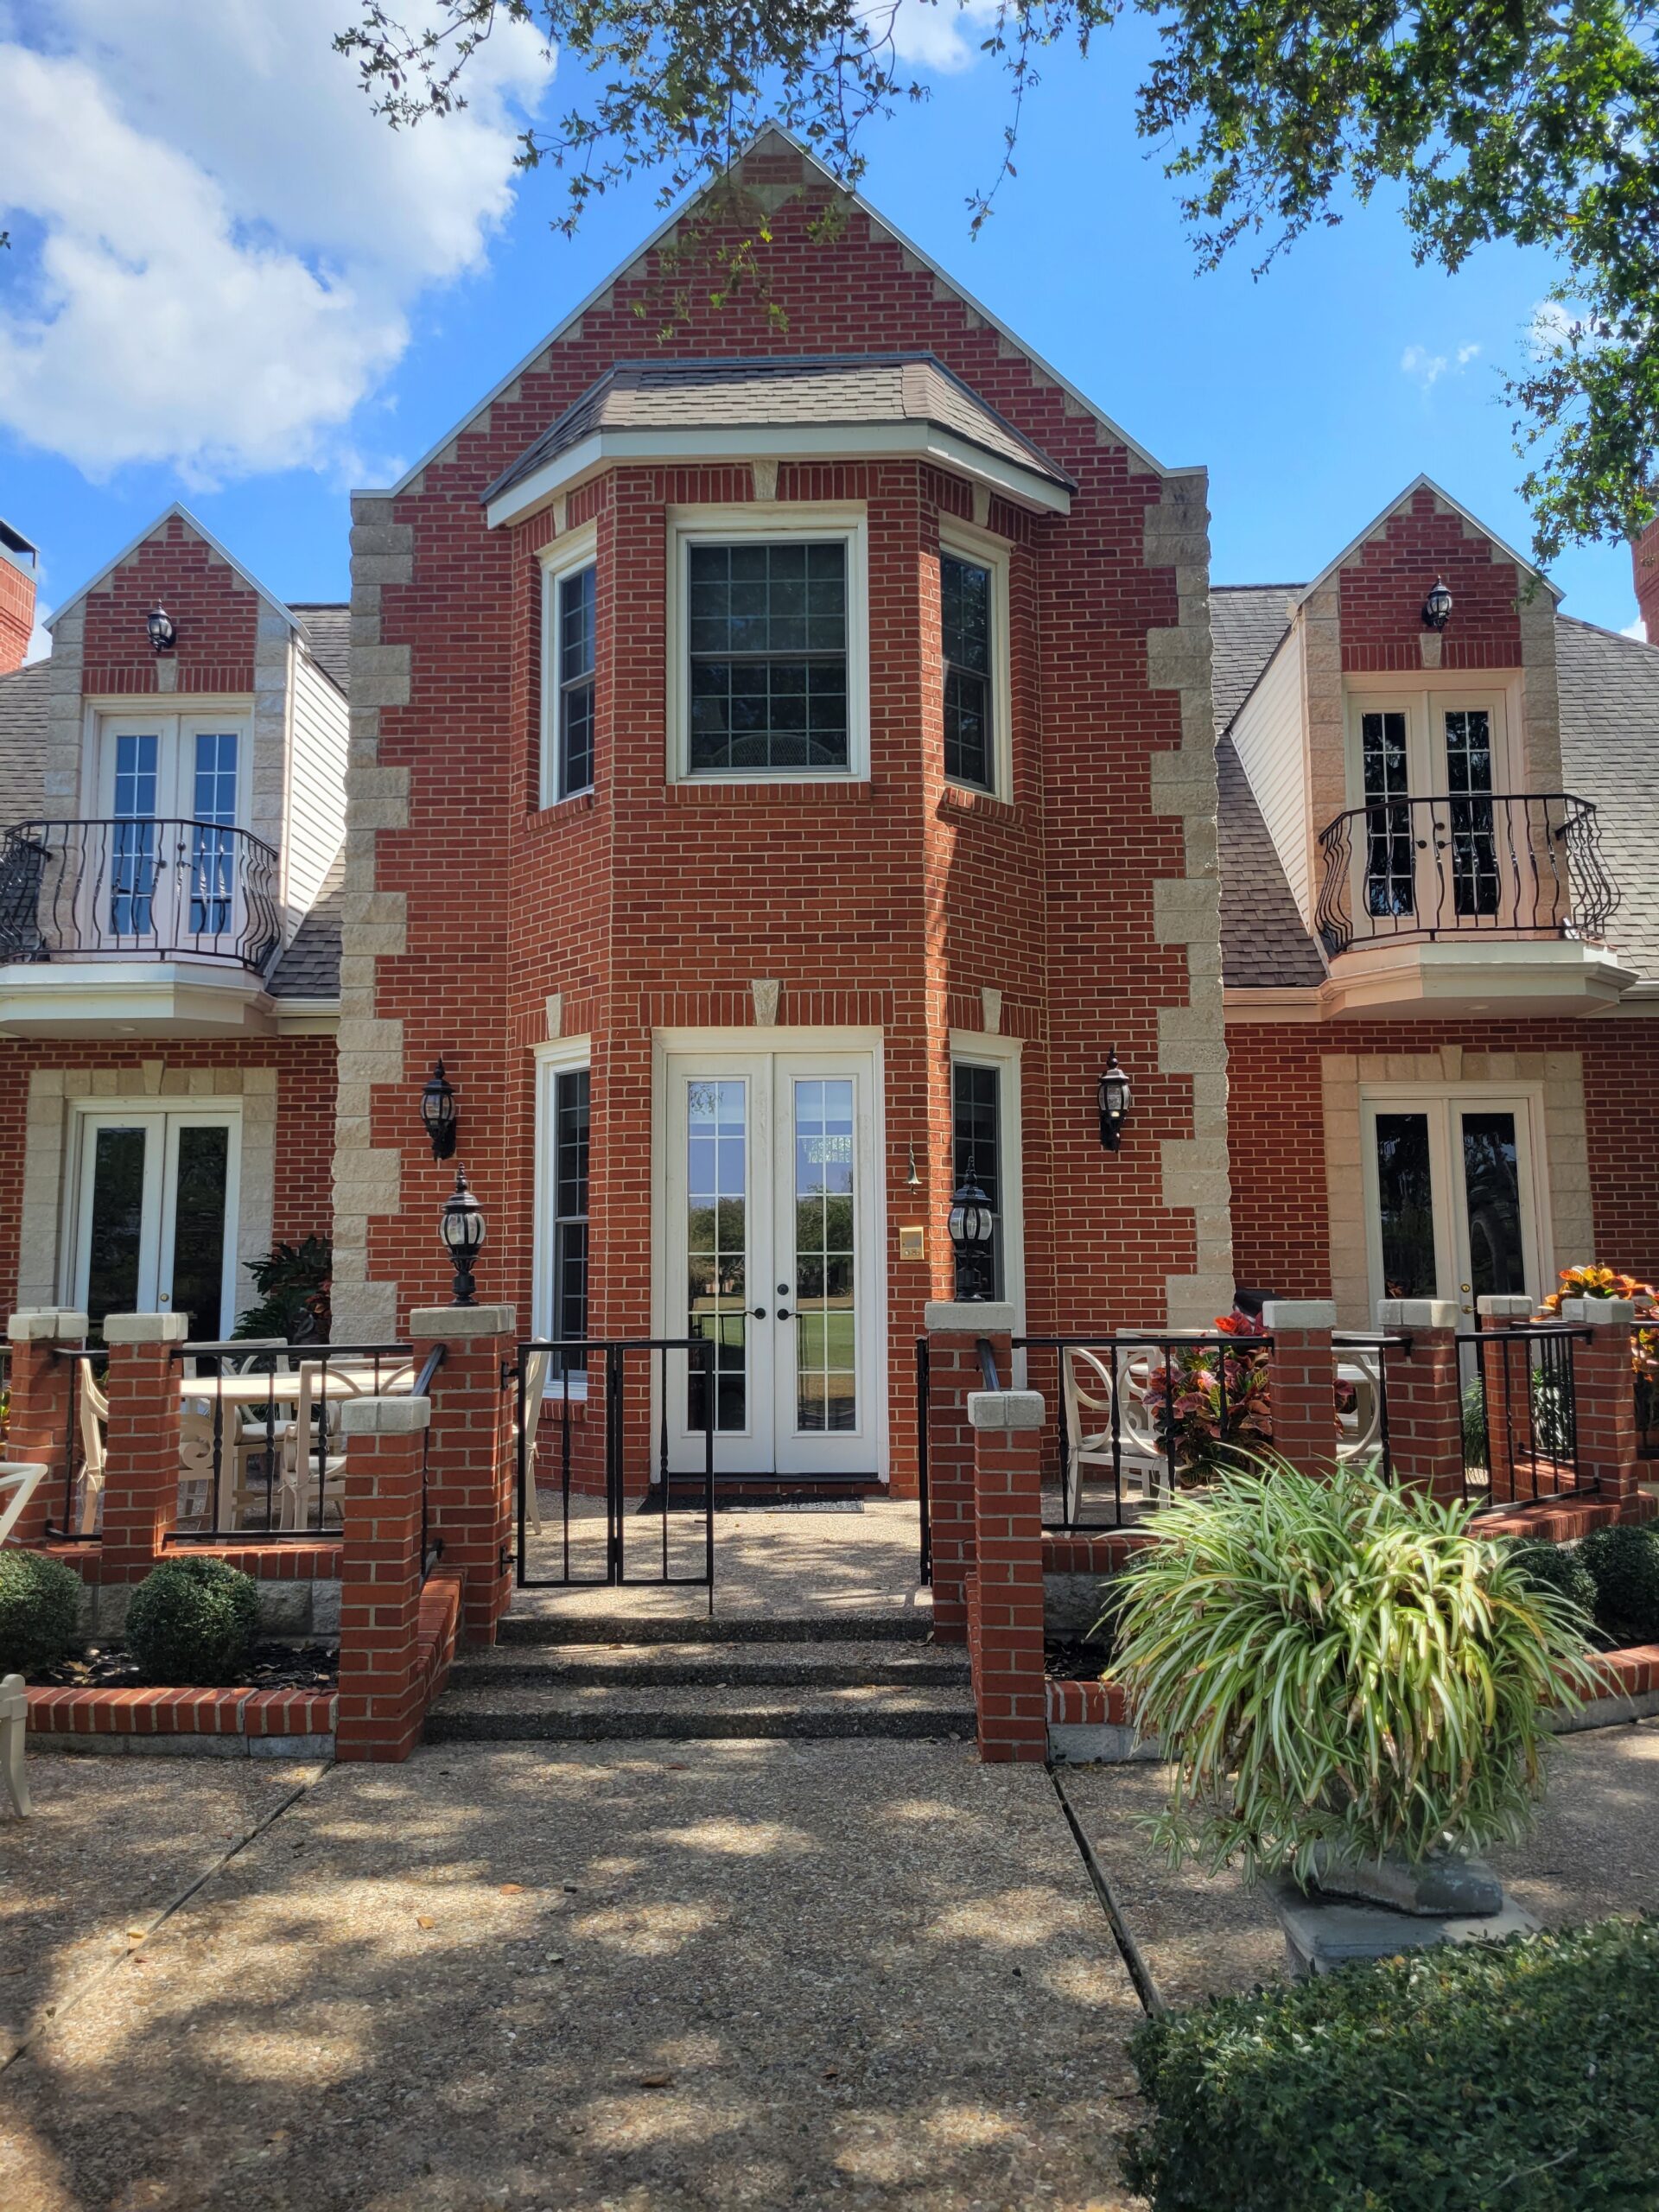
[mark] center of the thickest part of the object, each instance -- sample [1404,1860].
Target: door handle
[783,1313]
[760,1313]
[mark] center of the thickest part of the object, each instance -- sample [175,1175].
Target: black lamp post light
[1113,1098]
[972,1226]
[163,632]
[438,1113]
[1437,608]
[462,1227]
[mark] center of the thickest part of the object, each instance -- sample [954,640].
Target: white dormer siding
[315,809]
[1270,734]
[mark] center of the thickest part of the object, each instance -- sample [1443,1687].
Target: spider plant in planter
[1344,1673]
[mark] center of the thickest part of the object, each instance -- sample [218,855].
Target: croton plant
[1598,1282]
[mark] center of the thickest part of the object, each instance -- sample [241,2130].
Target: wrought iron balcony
[1489,864]
[149,889]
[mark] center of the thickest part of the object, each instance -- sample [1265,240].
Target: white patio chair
[1359,1433]
[1088,1391]
[537,1365]
[19,1480]
[297,1475]
[94,1447]
[14,1719]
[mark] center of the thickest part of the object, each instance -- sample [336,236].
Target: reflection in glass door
[716,1235]
[826,1237]
[1451,1205]
[156,1218]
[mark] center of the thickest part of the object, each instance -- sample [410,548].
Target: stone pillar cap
[1005,1409]
[146,1328]
[1495,1306]
[403,1416]
[42,1323]
[1599,1312]
[1416,1313]
[1299,1313]
[456,1323]
[964,1316]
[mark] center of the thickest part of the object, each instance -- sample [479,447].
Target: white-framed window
[568,668]
[559,1282]
[985,1142]
[151,1201]
[974,654]
[768,652]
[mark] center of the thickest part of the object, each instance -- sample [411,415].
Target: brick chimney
[17,559]
[1644,555]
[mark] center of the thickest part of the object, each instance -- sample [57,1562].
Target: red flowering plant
[1218,1401]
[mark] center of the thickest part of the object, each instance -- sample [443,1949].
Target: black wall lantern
[1113,1098]
[462,1226]
[438,1113]
[1437,608]
[163,634]
[972,1226]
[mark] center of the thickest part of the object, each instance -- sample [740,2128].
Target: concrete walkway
[629,1978]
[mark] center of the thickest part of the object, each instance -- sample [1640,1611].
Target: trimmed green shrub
[1340,1666]
[1624,1563]
[1559,1566]
[1517,2074]
[40,1610]
[191,1619]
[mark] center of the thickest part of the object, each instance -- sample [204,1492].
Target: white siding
[1269,732]
[316,784]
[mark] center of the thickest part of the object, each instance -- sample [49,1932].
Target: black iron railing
[431,1546]
[609,1389]
[86,890]
[1520,1416]
[1494,863]
[924,1412]
[259,1448]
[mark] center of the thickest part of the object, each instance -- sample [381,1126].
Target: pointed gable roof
[1425,483]
[770,138]
[182,513]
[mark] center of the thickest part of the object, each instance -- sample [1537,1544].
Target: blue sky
[233,287]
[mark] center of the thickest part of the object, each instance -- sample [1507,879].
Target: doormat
[789,1505]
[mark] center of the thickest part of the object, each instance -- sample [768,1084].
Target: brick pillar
[1603,1392]
[140,1484]
[380,1708]
[471,1462]
[42,1409]
[954,1330]
[1304,1371]
[1506,1386]
[1425,1403]
[1010,1688]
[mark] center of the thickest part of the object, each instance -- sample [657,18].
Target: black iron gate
[597,1408]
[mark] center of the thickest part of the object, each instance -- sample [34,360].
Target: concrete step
[836,1665]
[545,1617]
[550,1711]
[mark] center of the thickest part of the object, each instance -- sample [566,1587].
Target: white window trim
[977,1049]
[565,557]
[110,718]
[958,542]
[210,1112]
[717,525]
[1421,702]
[564,1056]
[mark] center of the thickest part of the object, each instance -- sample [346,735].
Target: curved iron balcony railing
[1491,863]
[158,890]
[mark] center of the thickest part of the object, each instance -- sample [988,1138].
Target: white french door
[1454,1203]
[769,1253]
[155,1211]
[1441,845]
[172,790]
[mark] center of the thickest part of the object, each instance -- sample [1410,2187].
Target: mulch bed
[270,1667]
[1069,1660]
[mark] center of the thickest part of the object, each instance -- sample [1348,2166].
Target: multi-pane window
[573,651]
[976,1149]
[1474,840]
[132,834]
[212,859]
[1390,880]
[570,1124]
[965,589]
[767,642]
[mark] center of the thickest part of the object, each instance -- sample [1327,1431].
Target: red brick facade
[215,613]
[17,614]
[1383,585]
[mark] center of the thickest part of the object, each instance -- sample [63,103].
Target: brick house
[168,928]
[784,767]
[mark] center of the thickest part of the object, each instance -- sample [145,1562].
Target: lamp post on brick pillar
[1425,1398]
[141,1476]
[470,1462]
[954,1329]
[1005,1589]
[1604,1393]
[379,1710]
[1304,1368]
[1494,1314]
[41,1425]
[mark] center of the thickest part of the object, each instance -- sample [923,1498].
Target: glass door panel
[1389,847]
[716,1242]
[1467,731]
[195,1258]
[156,1218]
[1406,1207]
[114,1261]
[1450,1205]
[826,1238]
[1494,1223]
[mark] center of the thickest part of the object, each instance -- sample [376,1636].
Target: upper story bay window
[567,670]
[768,649]
[973,649]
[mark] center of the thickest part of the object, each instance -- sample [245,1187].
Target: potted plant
[1354,1685]
[1213,1402]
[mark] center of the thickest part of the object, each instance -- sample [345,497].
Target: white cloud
[941,35]
[1552,326]
[40,638]
[219,244]
[1428,368]
[1638,629]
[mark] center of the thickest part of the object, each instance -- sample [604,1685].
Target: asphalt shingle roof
[807,392]
[310,967]
[326,628]
[24,697]
[1608,691]
[1263,944]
